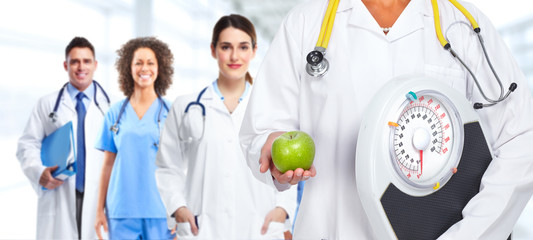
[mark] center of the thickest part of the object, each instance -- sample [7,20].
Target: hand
[101,221]
[275,215]
[47,181]
[292,177]
[183,214]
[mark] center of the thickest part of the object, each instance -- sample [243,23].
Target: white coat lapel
[409,21]
[102,102]
[360,17]
[212,100]
[66,103]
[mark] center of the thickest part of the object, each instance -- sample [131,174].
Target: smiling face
[144,68]
[80,66]
[233,53]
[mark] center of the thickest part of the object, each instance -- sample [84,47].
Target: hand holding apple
[290,177]
[293,150]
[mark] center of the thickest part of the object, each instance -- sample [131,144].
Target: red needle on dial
[421,162]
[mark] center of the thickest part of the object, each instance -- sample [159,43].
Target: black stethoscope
[53,114]
[197,102]
[114,128]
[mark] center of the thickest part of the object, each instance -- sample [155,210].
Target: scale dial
[424,140]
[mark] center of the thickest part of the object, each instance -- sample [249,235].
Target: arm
[284,210]
[105,142]
[107,168]
[183,214]
[171,170]
[274,106]
[47,180]
[29,150]
[507,185]
[277,214]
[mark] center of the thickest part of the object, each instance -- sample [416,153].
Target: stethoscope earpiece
[478,105]
[317,65]
[513,87]
[447,46]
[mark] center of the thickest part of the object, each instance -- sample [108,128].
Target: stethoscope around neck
[53,114]
[191,138]
[115,128]
[317,65]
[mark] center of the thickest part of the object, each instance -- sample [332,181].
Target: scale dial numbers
[422,140]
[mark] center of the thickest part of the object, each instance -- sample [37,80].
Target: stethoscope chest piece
[53,114]
[317,65]
[114,128]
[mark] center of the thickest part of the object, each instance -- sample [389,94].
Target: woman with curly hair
[130,140]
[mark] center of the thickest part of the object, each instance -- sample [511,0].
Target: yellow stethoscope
[317,65]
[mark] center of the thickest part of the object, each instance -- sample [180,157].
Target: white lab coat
[362,59]
[56,211]
[212,179]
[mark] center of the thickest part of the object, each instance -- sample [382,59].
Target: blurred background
[34,34]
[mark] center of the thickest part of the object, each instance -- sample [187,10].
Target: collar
[345,5]
[244,94]
[408,22]
[72,92]
[427,8]
[424,6]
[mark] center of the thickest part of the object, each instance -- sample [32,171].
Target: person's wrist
[282,209]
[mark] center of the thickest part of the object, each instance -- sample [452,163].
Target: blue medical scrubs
[133,203]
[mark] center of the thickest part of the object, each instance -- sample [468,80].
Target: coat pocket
[275,230]
[47,202]
[454,77]
[184,231]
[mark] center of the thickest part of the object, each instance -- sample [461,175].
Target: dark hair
[164,61]
[79,42]
[238,22]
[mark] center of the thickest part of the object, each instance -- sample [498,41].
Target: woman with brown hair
[130,140]
[203,178]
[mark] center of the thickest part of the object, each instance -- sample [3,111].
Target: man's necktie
[80,160]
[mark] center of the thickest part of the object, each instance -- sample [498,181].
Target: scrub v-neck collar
[148,112]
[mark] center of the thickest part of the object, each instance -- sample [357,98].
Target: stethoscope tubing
[477,30]
[317,65]
[53,114]
[197,103]
[115,128]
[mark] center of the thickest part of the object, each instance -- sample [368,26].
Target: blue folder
[58,149]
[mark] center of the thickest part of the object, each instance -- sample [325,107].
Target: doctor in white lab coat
[57,207]
[205,184]
[363,57]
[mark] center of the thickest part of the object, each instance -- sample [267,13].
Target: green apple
[293,150]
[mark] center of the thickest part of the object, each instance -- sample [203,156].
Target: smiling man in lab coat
[372,42]
[67,209]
